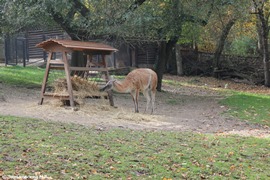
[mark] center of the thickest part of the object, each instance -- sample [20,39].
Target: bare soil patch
[179,109]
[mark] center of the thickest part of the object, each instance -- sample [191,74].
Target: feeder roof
[58,45]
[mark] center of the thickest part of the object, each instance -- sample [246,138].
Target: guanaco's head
[108,86]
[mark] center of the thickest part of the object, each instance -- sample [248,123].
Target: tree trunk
[260,39]
[264,34]
[179,60]
[171,59]
[221,43]
[160,66]
[263,31]
[266,72]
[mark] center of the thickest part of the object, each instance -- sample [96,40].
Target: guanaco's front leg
[135,95]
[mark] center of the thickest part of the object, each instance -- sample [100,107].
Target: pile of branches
[247,70]
[245,75]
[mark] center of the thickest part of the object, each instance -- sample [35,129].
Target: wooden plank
[66,96]
[87,69]
[57,64]
[59,96]
[98,52]
[60,62]
[37,36]
[57,67]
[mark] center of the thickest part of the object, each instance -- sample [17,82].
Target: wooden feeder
[67,46]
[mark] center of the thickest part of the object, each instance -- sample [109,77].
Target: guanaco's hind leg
[147,95]
[153,98]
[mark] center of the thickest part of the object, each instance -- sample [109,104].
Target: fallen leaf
[112,168]
[232,168]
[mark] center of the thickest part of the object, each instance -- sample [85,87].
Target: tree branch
[81,8]
[190,18]
[222,40]
[130,9]
[209,13]
[65,25]
[65,22]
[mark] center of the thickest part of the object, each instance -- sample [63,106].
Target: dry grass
[136,117]
[82,88]
[98,109]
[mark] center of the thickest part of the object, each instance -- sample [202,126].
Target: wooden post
[45,79]
[107,79]
[88,64]
[68,78]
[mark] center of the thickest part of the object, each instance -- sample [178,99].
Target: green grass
[29,147]
[22,76]
[252,107]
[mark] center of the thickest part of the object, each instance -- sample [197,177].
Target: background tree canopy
[230,26]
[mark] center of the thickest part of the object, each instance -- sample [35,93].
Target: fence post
[23,47]
[6,49]
[26,47]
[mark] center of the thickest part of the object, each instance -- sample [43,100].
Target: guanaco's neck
[122,86]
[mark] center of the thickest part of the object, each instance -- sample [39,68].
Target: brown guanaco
[139,80]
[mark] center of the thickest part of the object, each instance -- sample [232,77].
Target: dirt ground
[179,109]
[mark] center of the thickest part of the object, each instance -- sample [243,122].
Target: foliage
[244,37]
[32,147]
[190,34]
[243,46]
[148,20]
[252,107]
[128,18]
[223,12]
[19,15]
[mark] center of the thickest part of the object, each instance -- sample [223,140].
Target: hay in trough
[82,87]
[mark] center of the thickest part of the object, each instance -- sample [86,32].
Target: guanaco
[139,80]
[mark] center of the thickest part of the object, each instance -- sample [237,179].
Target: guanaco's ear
[111,78]
[108,86]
